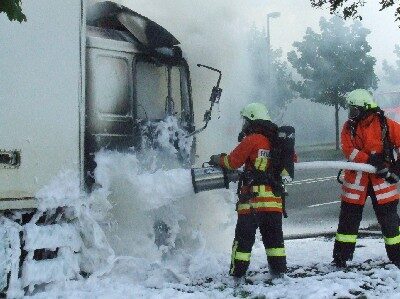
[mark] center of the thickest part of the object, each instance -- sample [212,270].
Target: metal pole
[268,63]
[269,58]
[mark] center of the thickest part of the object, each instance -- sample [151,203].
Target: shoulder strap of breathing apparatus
[387,144]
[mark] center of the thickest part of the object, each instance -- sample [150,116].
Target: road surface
[313,203]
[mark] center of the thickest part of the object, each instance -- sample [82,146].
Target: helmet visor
[354,112]
[245,123]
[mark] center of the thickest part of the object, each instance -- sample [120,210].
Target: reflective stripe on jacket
[254,152]
[367,140]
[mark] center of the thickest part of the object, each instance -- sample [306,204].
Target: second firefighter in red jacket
[368,137]
[259,204]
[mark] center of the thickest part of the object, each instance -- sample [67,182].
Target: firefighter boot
[341,255]
[277,267]
[339,262]
[238,268]
[276,274]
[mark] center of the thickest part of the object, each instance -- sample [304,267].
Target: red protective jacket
[367,140]
[254,152]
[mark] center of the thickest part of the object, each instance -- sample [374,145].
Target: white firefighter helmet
[255,111]
[361,98]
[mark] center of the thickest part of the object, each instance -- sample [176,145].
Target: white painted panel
[41,93]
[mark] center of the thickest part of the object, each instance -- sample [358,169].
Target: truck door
[126,89]
[109,102]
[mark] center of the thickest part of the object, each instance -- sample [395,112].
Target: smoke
[314,122]
[213,33]
[297,15]
[216,33]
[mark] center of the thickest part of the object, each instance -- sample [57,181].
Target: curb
[330,234]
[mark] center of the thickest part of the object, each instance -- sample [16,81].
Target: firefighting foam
[156,217]
[153,203]
[148,224]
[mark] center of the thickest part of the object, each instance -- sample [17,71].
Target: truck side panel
[41,95]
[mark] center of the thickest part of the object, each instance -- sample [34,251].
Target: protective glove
[392,178]
[378,161]
[286,179]
[394,173]
[214,160]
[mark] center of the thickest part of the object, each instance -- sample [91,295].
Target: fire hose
[338,165]
[210,177]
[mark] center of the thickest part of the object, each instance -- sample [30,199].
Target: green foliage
[392,73]
[333,62]
[280,75]
[13,10]
[349,9]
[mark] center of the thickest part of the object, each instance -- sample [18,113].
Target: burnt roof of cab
[108,14]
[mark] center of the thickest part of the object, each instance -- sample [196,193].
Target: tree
[333,63]
[282,83]
[13,10]
[392,73]
[389,94]
[350,8]
[281,78]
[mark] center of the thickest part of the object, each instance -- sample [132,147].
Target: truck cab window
[159,89]
[151,90]
[176,90]
[185,108]
[111,91]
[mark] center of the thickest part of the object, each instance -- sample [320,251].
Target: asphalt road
[313,204]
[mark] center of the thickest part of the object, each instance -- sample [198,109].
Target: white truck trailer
[75,79]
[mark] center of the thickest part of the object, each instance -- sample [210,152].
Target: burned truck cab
[135,74]
[103,74]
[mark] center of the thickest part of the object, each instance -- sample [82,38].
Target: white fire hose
[211,177]
[334,165]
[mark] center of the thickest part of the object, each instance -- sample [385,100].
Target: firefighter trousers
[270,225]
[349,222]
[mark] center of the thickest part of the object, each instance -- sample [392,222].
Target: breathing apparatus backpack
[283,151]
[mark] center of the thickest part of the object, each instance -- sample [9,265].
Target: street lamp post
[269,85]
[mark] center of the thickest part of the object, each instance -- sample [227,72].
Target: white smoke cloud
[213,33]
[297,15]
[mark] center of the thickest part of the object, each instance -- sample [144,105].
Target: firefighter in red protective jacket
[368,137]
[260,201]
